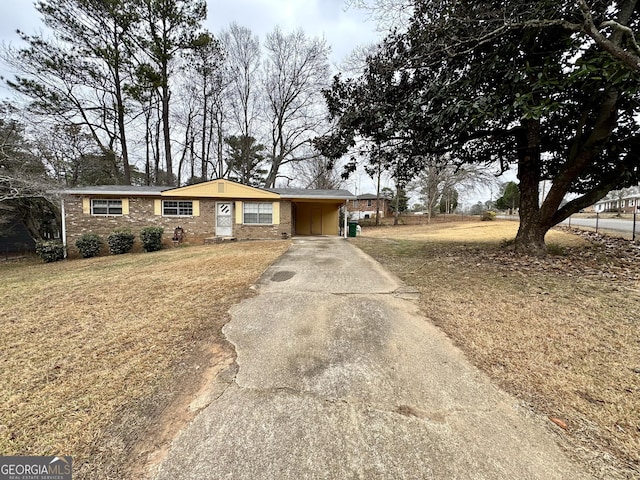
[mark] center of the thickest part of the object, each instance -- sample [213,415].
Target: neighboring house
[218,208]
[630,204]
[364,207]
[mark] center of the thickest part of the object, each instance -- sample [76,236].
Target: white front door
[224,219]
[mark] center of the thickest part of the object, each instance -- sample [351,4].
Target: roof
[305,193]
[117,190]
[201,190]
[371,196]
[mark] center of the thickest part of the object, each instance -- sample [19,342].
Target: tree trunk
[378,196]
[120,111]
[166,133]
[531,233]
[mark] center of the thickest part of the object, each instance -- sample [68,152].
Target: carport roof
[305,193]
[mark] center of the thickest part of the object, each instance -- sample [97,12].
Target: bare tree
[318,173]
[242,60]
[203,84]
[170,28]
[296,69]
[80,77]
[440,176]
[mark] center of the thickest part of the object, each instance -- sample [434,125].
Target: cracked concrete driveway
[339,377]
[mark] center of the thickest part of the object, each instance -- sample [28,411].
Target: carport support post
[346,214]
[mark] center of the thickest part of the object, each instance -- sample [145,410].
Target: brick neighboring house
[364,207]
[630,204]
[218,208]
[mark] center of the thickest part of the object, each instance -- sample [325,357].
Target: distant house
[364,207]
[215,209]
[627,204]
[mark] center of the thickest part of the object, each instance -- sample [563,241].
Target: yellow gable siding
[220,189]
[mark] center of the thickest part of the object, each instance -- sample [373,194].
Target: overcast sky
[343,29]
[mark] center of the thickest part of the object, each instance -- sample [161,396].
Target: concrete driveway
[339,377]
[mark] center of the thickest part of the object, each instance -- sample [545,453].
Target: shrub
[556,250]
[50,250]
[120,241]
[151,238]
[488,216]
[89,245]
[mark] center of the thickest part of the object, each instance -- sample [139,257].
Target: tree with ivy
[548,88]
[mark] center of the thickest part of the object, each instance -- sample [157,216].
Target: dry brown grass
[560,333]
[86,343]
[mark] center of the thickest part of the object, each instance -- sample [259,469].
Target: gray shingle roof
[293,193]
[117,190]
[310,193]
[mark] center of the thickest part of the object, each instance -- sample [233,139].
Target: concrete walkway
[339,377]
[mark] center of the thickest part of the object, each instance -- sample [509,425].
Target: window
[369,203]
[106,207]
[258,213]
[175,208]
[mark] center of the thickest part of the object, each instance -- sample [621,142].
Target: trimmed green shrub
[120,241]
[488,216]
[50,250]
[151,238]
[89,245]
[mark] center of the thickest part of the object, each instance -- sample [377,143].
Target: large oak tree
[547,87]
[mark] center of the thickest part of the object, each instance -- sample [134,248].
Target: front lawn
[562,333]
[91,350]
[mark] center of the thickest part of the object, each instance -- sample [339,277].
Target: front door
[224,220]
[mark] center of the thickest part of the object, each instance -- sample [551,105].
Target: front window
[106,207]
[258,213]
[177,208]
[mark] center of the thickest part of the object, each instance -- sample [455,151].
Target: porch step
[212,240]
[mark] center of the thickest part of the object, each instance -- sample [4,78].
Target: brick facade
[365,207]
[142,214]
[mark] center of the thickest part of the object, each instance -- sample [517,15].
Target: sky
[344,29]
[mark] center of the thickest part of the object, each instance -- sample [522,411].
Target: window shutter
[196,208]
[239,220]
[157,207]
[276,213]
[86,205]
[125,206]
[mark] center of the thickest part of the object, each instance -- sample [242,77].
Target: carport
[316,212]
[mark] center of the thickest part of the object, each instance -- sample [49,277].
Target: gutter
[64,227]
